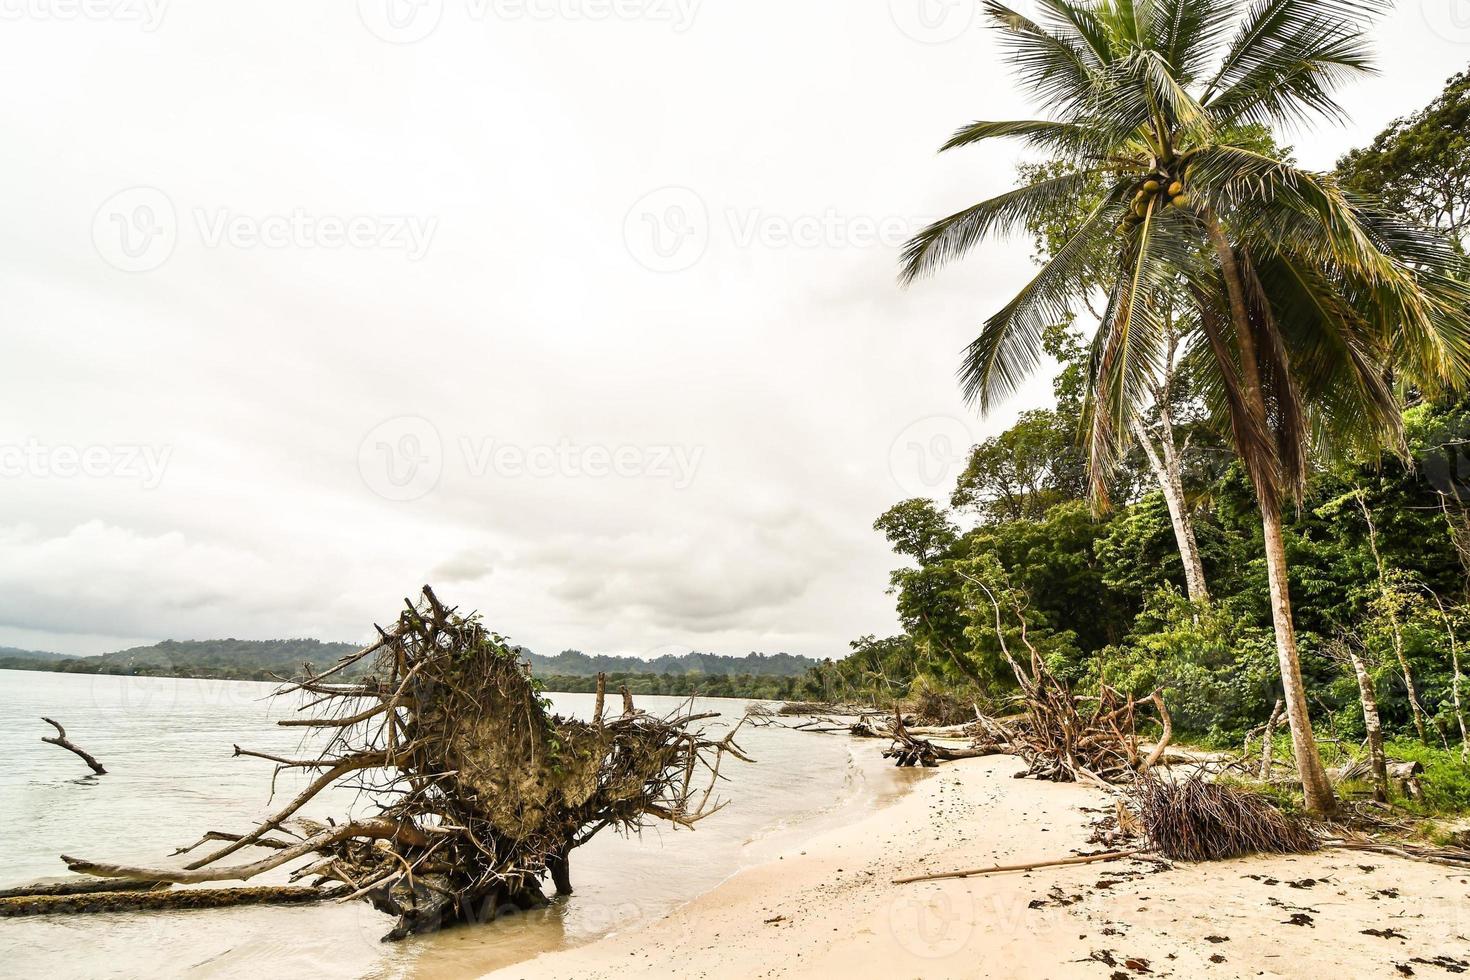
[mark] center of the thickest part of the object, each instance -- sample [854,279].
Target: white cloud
[791,363]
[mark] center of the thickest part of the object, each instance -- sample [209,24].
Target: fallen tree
[482,793]
[1062,736]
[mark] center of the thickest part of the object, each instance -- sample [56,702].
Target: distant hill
[264,659]
[575,663]
[230,659]
[34,656]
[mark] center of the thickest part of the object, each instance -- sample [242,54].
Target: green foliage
[917,529]
[1216,667]
[1446,778]
[1025,470]
[1420,164]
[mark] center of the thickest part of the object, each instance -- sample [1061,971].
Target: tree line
[1262,503]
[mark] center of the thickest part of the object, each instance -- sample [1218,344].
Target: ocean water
[167,745]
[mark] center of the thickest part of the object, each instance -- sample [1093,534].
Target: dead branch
[1031,866]
[60,739]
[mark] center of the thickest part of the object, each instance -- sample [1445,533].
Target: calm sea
[167,745]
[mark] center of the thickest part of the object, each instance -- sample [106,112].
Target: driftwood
[1001,868]
[163,899]
[76,886]
[1446,857]
[909,750]
[60,739]
[482,794]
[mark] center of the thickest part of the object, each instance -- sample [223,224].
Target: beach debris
[1300,919]
[1385,933]
[162,898]
[76,886]
[1198,819]
[60,739]
[1450,857]
[481,792]
[1447,963]
[908,749]
[1030,866]
[1065,737]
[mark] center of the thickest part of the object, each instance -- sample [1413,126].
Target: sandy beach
[828,907]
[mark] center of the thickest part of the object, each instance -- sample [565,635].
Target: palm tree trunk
[1316,790]
[1166,471]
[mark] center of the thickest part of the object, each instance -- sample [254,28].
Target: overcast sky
[582,310]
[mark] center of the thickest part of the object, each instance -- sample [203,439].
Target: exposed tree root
[482,792]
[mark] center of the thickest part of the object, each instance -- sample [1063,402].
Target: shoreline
[827,907]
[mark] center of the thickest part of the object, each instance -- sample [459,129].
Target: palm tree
[1308,304]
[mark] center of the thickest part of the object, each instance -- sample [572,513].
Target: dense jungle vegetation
[1134,589]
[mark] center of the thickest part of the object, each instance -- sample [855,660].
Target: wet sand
[827,907]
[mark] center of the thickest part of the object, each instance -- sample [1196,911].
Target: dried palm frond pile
[1198,819]
[482,792]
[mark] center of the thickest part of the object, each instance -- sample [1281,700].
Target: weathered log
[77,886]
[1031,866]
[131,899]
[60,739]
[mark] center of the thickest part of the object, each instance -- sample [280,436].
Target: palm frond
[1341,367]
[1189,31]
[1080,24]
[1056,70]
[1059,137]
[1010,343]
[949,238]
[1296,82]
[1269,25]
